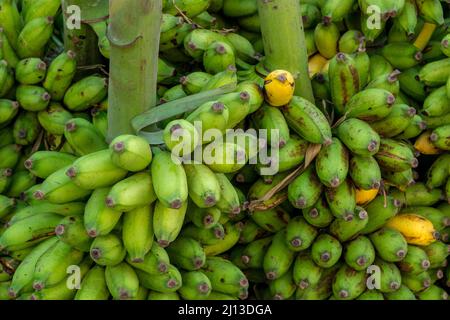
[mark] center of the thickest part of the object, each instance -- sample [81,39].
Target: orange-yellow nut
[365,196]
[416,229]
[279,88]
[424,145]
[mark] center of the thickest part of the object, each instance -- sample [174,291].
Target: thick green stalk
[83,41]
[284,41]
[134,36]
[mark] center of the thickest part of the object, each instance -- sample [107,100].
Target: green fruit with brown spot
[326,251]
[348,283]
[332,164]
[359,253]
[390,244]
[299,234]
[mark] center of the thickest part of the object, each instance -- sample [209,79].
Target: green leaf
[149,119]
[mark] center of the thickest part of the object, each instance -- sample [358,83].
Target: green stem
[134,36]
[82,41]
[284,41]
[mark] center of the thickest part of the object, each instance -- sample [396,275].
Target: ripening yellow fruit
[425,35]
[326,67]
[316,64]
[416,229]
[425,146]
[365,196]
[279,88]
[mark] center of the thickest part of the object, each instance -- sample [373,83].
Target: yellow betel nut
[365,196]
[424,145]
[416,229]
[279,88]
